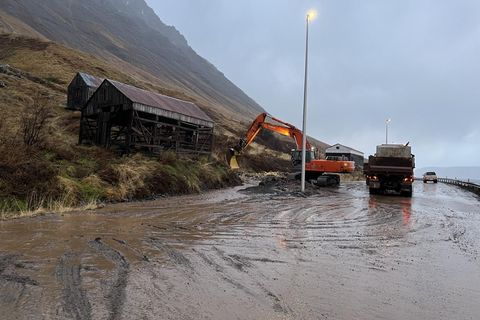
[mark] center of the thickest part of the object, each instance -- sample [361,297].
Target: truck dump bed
[394,151]
[389,165]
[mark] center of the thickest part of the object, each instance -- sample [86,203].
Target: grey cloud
[415,61]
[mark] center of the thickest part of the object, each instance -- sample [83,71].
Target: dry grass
[131,177]
[57,175]
[45,207]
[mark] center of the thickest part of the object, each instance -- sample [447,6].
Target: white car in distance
[430,177]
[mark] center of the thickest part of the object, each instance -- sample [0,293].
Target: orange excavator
[320,170]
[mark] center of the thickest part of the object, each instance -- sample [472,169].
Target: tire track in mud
[117,293]
[236,261]
[367,226]
[19,294]
[8,266]
[221,271]
[277,306]
[462,236]
[75,299]
[174,255]
[138,252]
[242,264]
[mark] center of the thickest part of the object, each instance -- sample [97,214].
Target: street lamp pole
[310,15]
[386,130]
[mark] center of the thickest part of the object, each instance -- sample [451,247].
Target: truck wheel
[373,191]
[424,181]
[435,181]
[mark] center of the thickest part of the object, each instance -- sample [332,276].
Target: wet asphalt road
[338,254]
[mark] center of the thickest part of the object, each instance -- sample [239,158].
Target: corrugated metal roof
[333,148]
[90,80]
[156,100]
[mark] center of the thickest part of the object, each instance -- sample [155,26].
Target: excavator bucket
[232,159]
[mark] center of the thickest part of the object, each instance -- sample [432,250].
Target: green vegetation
[37,179]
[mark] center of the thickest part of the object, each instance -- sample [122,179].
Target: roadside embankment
[40,180]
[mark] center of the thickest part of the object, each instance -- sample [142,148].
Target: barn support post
[104,129]
[212,141]
[197,151]
[128,138]
[177,138]
[108,141]
[80,136]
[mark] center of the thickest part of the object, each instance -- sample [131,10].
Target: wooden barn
[81,89]
[347,153]
[129,119]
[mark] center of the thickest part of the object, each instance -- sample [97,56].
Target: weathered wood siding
[105,97]
[112,120]
[79,92]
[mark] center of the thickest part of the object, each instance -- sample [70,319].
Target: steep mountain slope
[11,25]
[128,32]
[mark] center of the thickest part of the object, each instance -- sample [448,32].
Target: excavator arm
[257,125]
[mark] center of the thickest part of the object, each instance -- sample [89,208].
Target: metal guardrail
[473,187]
[464,184]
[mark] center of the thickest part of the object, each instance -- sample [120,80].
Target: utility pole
[310,15]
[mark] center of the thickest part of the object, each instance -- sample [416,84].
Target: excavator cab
[297,157]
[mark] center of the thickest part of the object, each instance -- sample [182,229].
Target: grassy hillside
[54,173]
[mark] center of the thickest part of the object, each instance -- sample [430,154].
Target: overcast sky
[415,61]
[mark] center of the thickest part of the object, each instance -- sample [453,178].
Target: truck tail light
[408,179]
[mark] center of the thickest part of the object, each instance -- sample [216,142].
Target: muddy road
[337,254]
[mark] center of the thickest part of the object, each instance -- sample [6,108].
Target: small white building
[340,151]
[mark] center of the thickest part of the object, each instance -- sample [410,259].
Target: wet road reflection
[337,254]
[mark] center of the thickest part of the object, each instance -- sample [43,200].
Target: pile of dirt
[280,183]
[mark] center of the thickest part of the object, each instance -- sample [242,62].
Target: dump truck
[390,170]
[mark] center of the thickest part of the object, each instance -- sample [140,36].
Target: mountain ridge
[130,31]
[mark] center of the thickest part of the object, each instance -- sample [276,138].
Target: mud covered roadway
[336,254]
